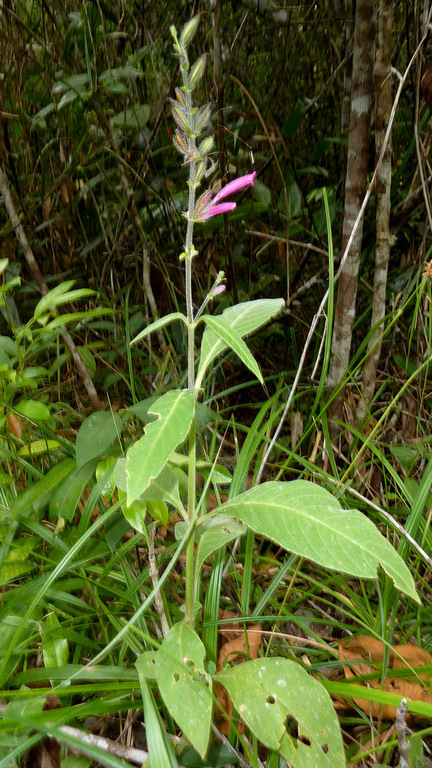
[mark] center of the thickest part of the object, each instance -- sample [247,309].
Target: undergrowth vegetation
[209,556]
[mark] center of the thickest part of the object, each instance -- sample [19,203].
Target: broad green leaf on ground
[243,319]
[287,710]
[147,457]
[184,684]
[306,519]
[161,323]
[213,533]
[95,435]
[233,341]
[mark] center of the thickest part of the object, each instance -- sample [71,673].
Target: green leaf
[160,751]
[50,298]
[262,193]
[243,318]
[166,320]
[33,410]
[146,665]
[287,710]
[108,490]
[134,513]
[73,317]
[65,498]
[165,487]
[232,340]
[158,511]
[95,435]
[147,457]
[185,685]
[119,72]
[38,447]
[133,117]
[55,649]
[40,492]
[293,198]
[213,533]
[306,519]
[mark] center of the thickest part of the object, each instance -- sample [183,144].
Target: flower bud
[201,118]
[180,142]
[179,116]
[199,171]
[197,71]
[206,146]
[188,31]
[180,97]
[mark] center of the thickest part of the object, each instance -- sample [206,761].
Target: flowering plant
[299,516]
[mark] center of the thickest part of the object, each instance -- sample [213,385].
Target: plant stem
[189,251]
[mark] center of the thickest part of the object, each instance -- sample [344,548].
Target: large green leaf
[147,457]
[213,533]
[234,341]
[95,435]
[243,318]
[306,519]
[165,487]
[287,710]
[184,683]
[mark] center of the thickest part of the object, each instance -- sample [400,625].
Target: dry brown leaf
[368,654]
[14,424]
[239,647]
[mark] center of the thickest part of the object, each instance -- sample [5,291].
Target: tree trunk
[355,186]
[383,96]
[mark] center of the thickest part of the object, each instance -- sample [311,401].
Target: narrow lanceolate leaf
[166,320]
[243,319]
[234,341]
[287,710]
[147,457]
[306,519]
[185,685]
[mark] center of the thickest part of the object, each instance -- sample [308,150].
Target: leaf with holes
[306,519]
[287,710]
[185,685]
[212,533]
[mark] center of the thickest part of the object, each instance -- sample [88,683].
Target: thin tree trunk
[37,274]
[355,187]
[383,96]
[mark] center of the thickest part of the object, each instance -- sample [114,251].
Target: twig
[89,740]
[402,733]
[317,316]
[37,274]
[154,575]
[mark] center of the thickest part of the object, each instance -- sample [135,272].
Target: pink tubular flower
[206,207]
